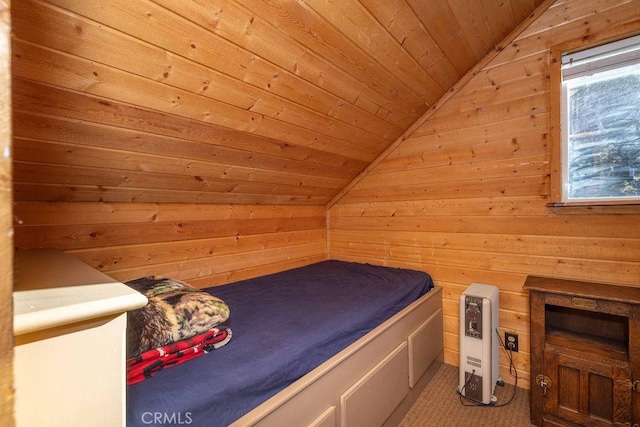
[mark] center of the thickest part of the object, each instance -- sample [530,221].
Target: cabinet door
[634,357]
[587,391]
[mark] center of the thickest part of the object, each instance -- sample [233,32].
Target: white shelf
[53,288]
[64,310]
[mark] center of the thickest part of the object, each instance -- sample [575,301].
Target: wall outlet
[511,341]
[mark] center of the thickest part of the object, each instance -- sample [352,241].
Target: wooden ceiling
[246,101]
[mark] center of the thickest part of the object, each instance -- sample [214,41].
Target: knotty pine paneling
[232,101]
[202,244]
[465,196]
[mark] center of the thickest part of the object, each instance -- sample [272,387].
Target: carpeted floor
[439,405]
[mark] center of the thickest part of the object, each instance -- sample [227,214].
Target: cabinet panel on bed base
[315,398]
[371,400]
[422,352]
[326,419]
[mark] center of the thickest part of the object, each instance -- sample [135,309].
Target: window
[600,122]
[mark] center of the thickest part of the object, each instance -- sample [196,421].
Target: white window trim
[581,63]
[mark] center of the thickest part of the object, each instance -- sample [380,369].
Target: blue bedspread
[284,325]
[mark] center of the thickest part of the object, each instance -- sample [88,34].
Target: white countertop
[52,288]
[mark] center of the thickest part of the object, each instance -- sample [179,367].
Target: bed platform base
[371,382]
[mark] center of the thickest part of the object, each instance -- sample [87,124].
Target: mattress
[284,325]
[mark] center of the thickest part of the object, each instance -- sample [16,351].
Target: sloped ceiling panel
[247,101]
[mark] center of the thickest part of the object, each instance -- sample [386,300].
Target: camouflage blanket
[176,311]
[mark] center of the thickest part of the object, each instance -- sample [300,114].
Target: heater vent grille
[474,362]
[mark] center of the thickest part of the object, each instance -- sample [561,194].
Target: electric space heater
[479,343]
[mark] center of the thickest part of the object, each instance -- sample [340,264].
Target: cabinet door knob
[544,382]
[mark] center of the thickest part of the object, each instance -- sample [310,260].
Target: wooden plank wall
[6,240]
[464,197]
[124,157]
[174,101]
[200,243]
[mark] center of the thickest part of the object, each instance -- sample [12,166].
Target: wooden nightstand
[585,353]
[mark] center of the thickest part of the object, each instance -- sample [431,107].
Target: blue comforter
[284,325]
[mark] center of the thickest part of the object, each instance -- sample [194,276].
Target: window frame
[558,155]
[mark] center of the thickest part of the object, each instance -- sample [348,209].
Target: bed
[348,352]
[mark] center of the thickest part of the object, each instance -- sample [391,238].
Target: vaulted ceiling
[245,101]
